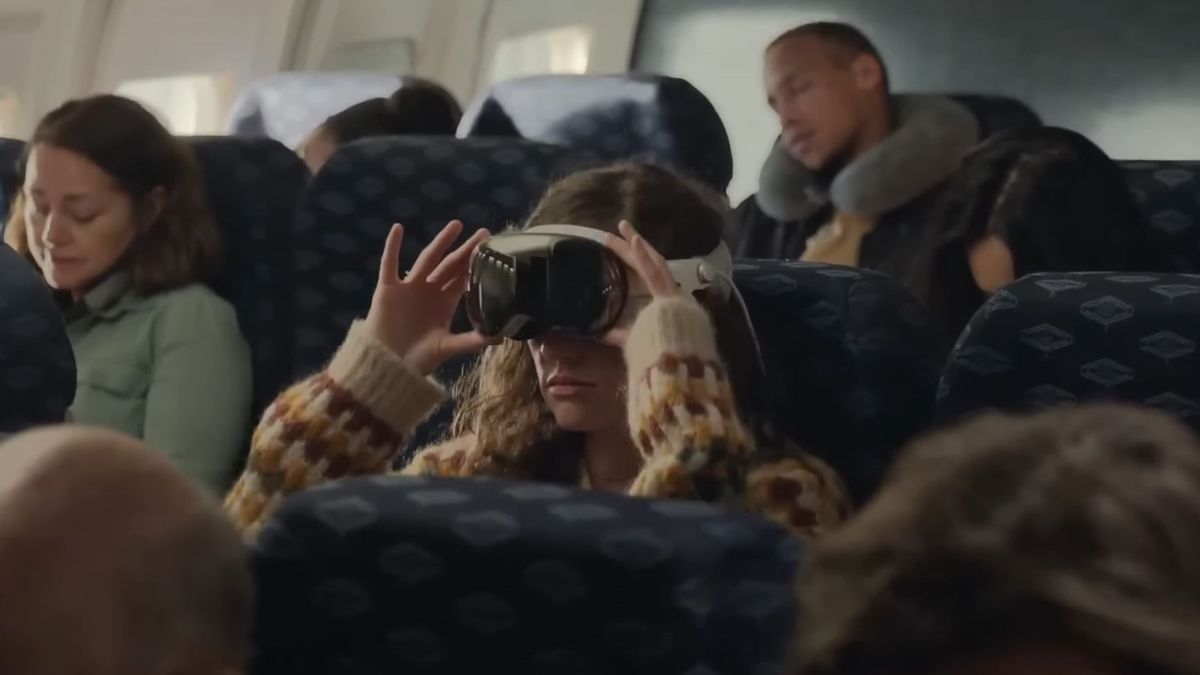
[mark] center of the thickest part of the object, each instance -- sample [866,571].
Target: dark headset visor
[523,285]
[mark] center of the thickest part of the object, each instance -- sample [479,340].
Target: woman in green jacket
[114,214]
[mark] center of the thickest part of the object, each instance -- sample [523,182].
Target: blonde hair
[500,403]
[183,244]
[1076,527]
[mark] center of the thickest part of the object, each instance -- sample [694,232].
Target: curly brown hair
[1075,528]
[500,403]
[181,246]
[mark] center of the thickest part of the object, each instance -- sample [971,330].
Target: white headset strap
[693,274]
[570,231]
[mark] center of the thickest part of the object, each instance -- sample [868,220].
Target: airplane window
[186,104]
[10,110]
[561,50]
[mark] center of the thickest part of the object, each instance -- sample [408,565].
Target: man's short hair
[849,41]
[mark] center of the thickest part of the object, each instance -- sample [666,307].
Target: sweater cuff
[677,326]
[382,382]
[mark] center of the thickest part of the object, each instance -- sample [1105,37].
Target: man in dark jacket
[854,167]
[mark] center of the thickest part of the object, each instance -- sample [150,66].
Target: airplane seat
[423,183]
[998,113]
[852,361]
[1055,339]
[1168,194]
[11,151]
[400,574]
[37,364]
[287,106]
[254,185]
[608,118]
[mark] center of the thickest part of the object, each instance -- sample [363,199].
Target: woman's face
[79,221]
[582,382]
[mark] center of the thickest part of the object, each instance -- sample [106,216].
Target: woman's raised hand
[643,262]
[411,315]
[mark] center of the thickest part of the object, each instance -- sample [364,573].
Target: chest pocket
[112,395]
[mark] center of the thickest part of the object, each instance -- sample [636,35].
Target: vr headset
[563,279]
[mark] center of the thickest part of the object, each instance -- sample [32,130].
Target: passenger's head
[113,563]
[418,108]
[507,403]
[107,186]
[1054,544]
[829,87]
[1029,200]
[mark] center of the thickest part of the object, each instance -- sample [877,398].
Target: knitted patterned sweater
[352,419]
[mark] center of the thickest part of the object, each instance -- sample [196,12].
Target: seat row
[855,361]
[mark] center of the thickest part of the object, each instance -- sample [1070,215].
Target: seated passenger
[114,213]
[855,168]
[656,419]
[1062,543]
[113,563]
[418,108]
[1031,200]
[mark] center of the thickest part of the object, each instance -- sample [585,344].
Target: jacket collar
[105,299]
[932,136]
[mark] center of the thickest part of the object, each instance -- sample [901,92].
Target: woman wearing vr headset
[612,374]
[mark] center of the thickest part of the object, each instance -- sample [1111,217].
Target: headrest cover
[610,118]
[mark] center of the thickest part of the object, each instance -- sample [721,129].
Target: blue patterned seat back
[1052,339]
[11,151]
[254,185]
[607,118]
[853,360]
[287,106]
[406,575]
[998,113]
[37,364]
[1168,193]
[423,183]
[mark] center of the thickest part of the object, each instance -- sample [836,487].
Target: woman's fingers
[615,337]
[622,249]
[462,343]
[389,263]
[460,259]
[655,268]
[436,250]
[650,264]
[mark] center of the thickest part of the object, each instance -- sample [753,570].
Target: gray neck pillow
[933,135]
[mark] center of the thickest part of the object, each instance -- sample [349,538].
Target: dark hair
[681,218]
[1057,201]
[418,107]
[849,41]
[1076,528]
[183,245]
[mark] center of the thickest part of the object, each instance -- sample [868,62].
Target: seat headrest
[998,113]
[397,574]
[37,364]
[853,361]
[1168,195]
[253,186]
[287,106]
[1052,339]
[11,151]
[611,118]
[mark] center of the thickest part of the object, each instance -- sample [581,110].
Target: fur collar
[933,136]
